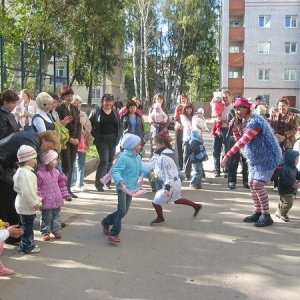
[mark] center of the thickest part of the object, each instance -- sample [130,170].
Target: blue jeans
[27,223]
[78,170]
[50,220]
[218,143]
[196,174]
[115,218]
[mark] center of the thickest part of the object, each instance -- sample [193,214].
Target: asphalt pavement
[213,256]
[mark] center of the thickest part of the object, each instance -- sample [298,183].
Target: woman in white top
[30,109]
[41,121]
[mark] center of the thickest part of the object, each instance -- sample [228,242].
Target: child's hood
[195,135]
[290,157]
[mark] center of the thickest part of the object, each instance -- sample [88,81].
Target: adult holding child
[106,131]
[161,125]
[254,135]
[222,140]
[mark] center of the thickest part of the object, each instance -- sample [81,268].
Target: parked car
[295,110]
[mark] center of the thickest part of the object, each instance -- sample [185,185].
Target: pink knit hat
[157,105]
[243,102]
[26,153]
[48,156]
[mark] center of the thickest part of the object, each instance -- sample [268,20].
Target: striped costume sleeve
[248,135]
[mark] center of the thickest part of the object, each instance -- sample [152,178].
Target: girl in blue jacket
[125,173]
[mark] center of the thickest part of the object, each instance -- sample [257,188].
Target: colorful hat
[243,102]
[26,153]
[48,156]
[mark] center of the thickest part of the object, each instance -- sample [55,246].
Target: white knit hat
[200,111]
[218,95]
[48,156]
[130,140]
[26,153]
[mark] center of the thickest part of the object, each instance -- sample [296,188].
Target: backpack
[63,134]
[200,157]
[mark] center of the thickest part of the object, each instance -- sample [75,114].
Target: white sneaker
[74,189]
[275,189]
[82,189]
[202,179]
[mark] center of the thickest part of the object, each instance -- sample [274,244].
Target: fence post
[2,62]
[22,66]
[54,71]
[40,68]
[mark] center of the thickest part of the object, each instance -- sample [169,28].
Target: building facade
[260,49]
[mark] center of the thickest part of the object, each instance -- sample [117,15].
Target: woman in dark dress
[106,130]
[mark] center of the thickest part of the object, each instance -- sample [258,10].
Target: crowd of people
[43,146]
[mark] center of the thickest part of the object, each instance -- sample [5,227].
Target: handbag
[84,143]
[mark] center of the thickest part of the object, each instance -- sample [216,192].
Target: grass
[93,151]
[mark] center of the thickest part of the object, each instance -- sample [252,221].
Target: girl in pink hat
[53,190]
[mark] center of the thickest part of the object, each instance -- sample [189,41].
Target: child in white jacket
[168,178]
[27,200]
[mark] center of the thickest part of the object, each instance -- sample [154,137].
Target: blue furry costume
[262,146]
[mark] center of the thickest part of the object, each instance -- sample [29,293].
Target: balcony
[236,60]
[236,7]
[236,34]
[236,85]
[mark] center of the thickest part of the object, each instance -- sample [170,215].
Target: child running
[168,179]
[288,184]
[126,174]
[53,190]
[27,200]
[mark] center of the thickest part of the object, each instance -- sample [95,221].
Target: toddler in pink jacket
[53,190]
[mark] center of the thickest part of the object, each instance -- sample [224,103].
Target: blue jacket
[263,151]
[128,168]
[289,173]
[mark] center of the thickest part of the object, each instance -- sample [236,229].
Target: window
[291,21]
[233,74]
[61,72]
[96,93]
[264,47]
[264,21]
[264,74]
[290,47]
[234,49]
[234,24]
[289,75]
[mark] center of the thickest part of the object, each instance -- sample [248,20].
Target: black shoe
[246,185]
[263,221]
[63,225]
[252,218]
[217,174]
[232,185]
[73,195]
[100,188]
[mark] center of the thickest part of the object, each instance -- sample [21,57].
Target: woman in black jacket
[8,124]
[106,130]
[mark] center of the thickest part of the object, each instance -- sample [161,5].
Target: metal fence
[33,68]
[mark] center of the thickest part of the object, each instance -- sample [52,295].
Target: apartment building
[260,49]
